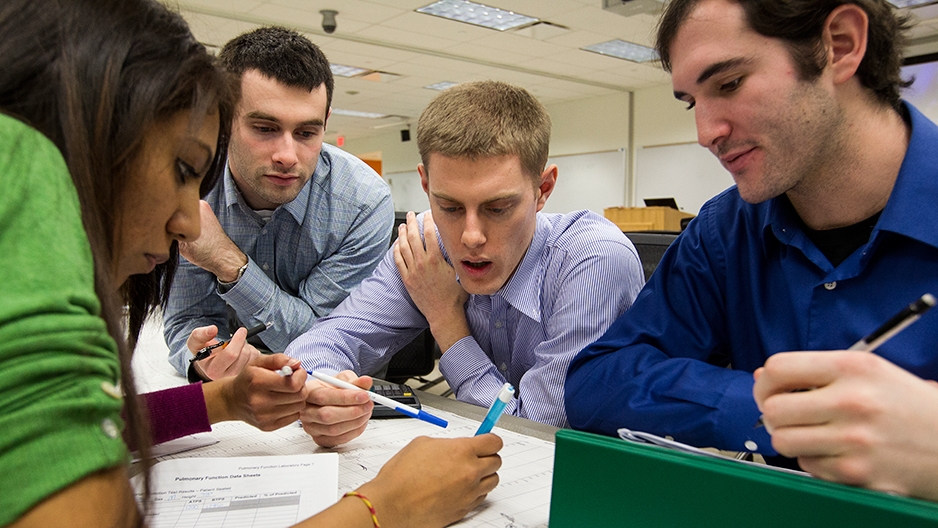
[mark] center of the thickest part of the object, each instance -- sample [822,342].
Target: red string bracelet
[374,516]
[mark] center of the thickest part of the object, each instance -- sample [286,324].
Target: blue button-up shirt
[744,282]
[301,263]
[579,273]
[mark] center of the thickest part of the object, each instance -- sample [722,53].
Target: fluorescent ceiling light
[477,14]
[356,113]
[442,85]
[624,50]
[347,71]
[911,3]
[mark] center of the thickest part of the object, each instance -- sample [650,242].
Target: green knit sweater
[57,423]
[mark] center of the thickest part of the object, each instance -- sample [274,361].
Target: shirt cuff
[470,372]
[253,291]
[739,416]
[177,412]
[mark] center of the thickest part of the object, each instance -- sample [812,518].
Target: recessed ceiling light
[442,85]
[624,50]
[477,14]
[347,71]
[911,3]
[356,113]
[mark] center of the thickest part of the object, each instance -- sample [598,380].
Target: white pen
[377,398]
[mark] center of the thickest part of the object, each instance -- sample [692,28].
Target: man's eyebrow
[267,117]
[509,196]
[715,69]
[721,67]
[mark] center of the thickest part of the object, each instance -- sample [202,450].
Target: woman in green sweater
[113,122]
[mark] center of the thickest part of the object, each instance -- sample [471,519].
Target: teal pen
[505,394]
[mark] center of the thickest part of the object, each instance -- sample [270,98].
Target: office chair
[418,357]
[651,246]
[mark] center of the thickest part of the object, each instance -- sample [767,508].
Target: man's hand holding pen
[224,361]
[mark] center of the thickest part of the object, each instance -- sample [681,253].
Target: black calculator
[397,392]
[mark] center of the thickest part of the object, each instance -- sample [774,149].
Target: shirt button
[111,389]
[750,445]
[830,285]
[503,367]
[265,266]
[264,231]
[109,428]
[498,324]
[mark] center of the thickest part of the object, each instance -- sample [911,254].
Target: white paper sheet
[247,492]
[521,500]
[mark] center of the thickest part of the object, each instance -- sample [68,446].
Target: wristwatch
[240,273]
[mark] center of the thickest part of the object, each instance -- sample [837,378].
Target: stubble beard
[804,147]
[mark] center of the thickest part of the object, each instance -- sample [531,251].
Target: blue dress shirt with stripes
[579,273]
[301,263]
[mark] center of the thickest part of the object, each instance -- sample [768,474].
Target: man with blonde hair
[509,293]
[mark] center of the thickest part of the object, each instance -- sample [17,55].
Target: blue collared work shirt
[302,263]
[744,282]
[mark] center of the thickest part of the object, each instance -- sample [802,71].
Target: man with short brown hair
[509,293]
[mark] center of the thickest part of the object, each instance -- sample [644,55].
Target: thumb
[200,337]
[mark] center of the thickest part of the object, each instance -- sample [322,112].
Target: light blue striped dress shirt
[302,263]
[579,274]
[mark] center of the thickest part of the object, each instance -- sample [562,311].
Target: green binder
[603,481]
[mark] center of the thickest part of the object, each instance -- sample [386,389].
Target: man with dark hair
[292,226]
[818,243]
[509,293]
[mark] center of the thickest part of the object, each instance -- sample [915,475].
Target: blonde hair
[485,119]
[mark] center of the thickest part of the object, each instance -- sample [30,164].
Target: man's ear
[326,120]
[546,186]
[845,38]
[424,180]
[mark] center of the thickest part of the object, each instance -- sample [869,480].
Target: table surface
[468,410]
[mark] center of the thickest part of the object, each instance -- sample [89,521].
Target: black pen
[893,326]
[207,351]
[907,316]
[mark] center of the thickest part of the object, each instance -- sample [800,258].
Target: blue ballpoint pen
[419,414]
[505,394]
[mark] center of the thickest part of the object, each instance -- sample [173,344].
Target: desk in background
[646,218]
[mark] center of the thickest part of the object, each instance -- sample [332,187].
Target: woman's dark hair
[94,76]
[799,23]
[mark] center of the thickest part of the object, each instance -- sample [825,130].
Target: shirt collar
[523,289]
[297,207]
[916,189]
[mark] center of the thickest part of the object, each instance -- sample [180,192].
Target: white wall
[660,119]
[668,162]
[399,160]
[590,125]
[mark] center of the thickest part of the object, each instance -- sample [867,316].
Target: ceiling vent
[633,7]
